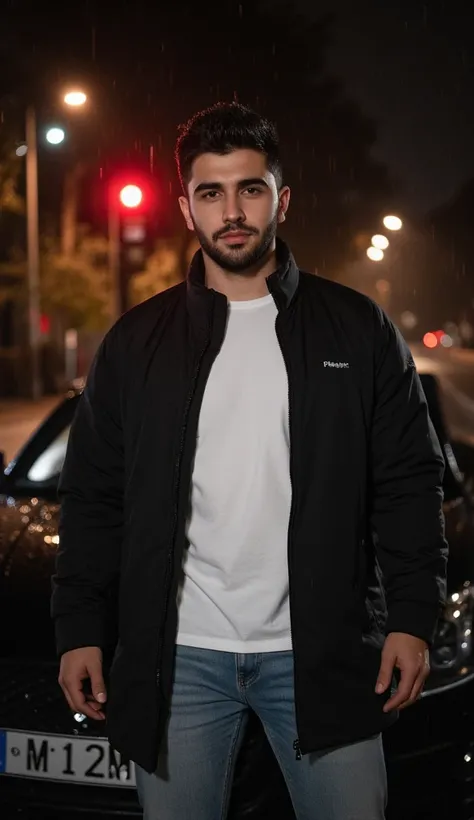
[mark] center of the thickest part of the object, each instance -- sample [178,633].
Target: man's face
[234,207]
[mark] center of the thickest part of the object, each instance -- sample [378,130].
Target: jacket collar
[282,284]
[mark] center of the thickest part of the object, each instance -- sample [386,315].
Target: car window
[49,463]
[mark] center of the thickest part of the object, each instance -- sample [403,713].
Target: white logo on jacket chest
[340,365]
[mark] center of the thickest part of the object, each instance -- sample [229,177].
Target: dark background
[373,101]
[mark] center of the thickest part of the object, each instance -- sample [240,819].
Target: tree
[77,288]
[12,270]
[163,269]
[10,200]
[12,203]
[10,168]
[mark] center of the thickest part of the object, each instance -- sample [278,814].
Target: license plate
[62,757]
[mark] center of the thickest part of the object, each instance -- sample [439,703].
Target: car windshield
[50,462]
[38,464]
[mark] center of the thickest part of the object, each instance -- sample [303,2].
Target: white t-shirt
[234,593]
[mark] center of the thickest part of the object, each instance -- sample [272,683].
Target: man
[252,459]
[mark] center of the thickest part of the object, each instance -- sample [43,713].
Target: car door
[29,536]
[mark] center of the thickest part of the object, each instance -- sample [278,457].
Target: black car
[55,764]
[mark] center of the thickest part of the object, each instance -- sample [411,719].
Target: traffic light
[131,196]
[135,227]
[132,205]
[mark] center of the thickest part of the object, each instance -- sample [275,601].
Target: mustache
[248,229]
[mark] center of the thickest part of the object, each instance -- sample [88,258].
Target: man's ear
[184,205]
[283,203]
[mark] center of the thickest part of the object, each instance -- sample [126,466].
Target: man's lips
[235,236]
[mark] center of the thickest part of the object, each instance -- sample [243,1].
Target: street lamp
[381,242]
[73,98]
[55,136]
[393,223]
[375,254]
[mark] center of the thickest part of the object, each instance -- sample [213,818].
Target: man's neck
[240,287]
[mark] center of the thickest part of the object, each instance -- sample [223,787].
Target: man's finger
[416,691]
[73,692]
[404,689]
[97,682]
[385,675]
[87,709]
[68,699]
[90,712]
[74,695]
[97,707]
[77,701]
[94,704]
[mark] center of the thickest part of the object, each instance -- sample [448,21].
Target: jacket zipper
[296,743]
[169,564]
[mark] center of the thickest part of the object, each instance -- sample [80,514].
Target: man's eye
[252,191]
[210,194]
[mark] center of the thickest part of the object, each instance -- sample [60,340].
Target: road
[455,371]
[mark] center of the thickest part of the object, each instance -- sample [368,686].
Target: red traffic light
[131,196]
[45,324]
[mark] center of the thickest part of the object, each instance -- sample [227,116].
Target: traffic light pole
[126,231]
[118,283]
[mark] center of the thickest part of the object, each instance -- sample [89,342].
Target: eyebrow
[217,186]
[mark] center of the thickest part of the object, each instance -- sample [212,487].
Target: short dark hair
[223,128]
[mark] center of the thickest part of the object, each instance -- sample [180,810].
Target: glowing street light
[55,136]
[75,98]
[381,242]
[375,254]
[393,223]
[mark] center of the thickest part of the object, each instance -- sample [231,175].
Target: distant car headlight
[452,653]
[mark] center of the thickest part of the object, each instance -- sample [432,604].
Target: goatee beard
[236,261]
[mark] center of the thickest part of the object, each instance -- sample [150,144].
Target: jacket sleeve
[91,517]
[407,495]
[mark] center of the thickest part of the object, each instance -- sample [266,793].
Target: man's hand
[77,666]
[411,656]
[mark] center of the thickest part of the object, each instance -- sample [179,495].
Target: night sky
[411,65]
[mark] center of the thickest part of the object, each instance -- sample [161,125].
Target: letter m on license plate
[62,757]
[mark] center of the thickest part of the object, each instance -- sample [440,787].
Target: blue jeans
[212,695]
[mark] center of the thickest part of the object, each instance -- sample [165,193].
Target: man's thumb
[97,684]
[385,673]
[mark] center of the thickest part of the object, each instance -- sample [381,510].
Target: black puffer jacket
[366,473]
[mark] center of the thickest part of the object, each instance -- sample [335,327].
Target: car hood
[459,517]
[28,544]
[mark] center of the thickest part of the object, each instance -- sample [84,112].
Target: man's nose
[232,210]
